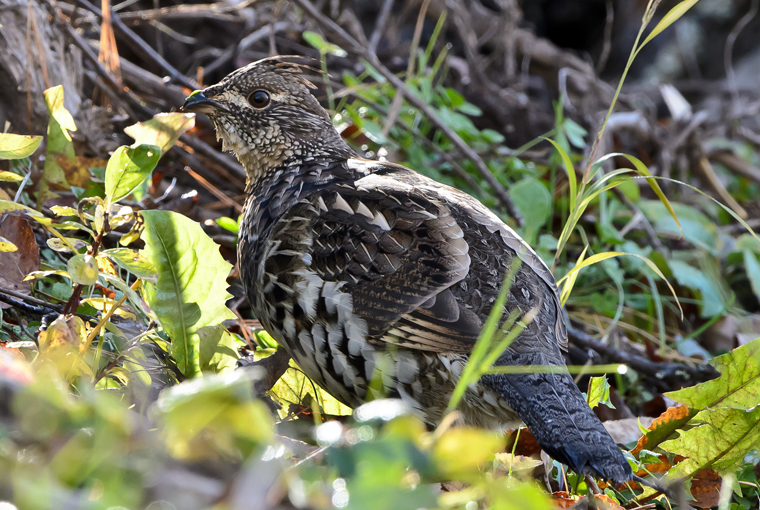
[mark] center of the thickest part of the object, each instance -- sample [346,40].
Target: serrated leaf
[191,289]
[163,130]
[599,392]
[132,261]
[128,168]
[83,269]
[720,441]
[738,386]
[17,146]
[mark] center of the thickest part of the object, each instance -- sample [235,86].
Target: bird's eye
[259,99]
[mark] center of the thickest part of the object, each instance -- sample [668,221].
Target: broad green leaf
[132,261]
[7,246]
[191,289]
[533,201]
[720,441]
[709,286]
[128,168]
[10,177]
[324,47]
[671,17]
[59,144]
[83,269]
[695,226]
[163,130]
[610,254]
[737,387]
[218,349]
[571,178]
[17,146]
[599,392]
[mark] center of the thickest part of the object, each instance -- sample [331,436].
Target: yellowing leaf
[599,392]
[17,146]
[738,386]
[667,20]
[463,450]
[64,334]
[59,144]
[163,130]
[720,441]
[83,269]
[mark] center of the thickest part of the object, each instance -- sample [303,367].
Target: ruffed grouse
[364,270]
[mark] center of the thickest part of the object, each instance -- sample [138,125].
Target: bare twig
[728,50]
[382,20]
[357,49]
[666,372]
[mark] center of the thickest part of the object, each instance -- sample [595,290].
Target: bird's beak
[197,102]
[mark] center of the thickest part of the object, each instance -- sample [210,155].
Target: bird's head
[267,116]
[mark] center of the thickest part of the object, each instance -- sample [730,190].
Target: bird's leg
[593,487]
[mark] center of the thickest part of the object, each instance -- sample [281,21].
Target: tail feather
[553,408]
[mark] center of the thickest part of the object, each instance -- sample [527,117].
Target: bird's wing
[394,253]
[402,255]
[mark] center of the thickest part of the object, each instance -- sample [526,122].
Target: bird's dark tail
[553,408]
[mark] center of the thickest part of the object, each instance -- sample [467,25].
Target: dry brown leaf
[77,172]
[15,265]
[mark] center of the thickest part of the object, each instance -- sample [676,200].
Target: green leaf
[534,202]
[610,254]
[571,178]
[599,392]
[738,386]
[6,206]
[128,168]
[163,130]
[694,225]
[83,269]
[712,295]
[671,17]
[324,47]
[218,349]
[461,450]
[18,146]
[191,289]
[59,144]
[227,224]
[720,441]
[133,262]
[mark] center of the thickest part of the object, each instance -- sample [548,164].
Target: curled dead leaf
[666,423]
